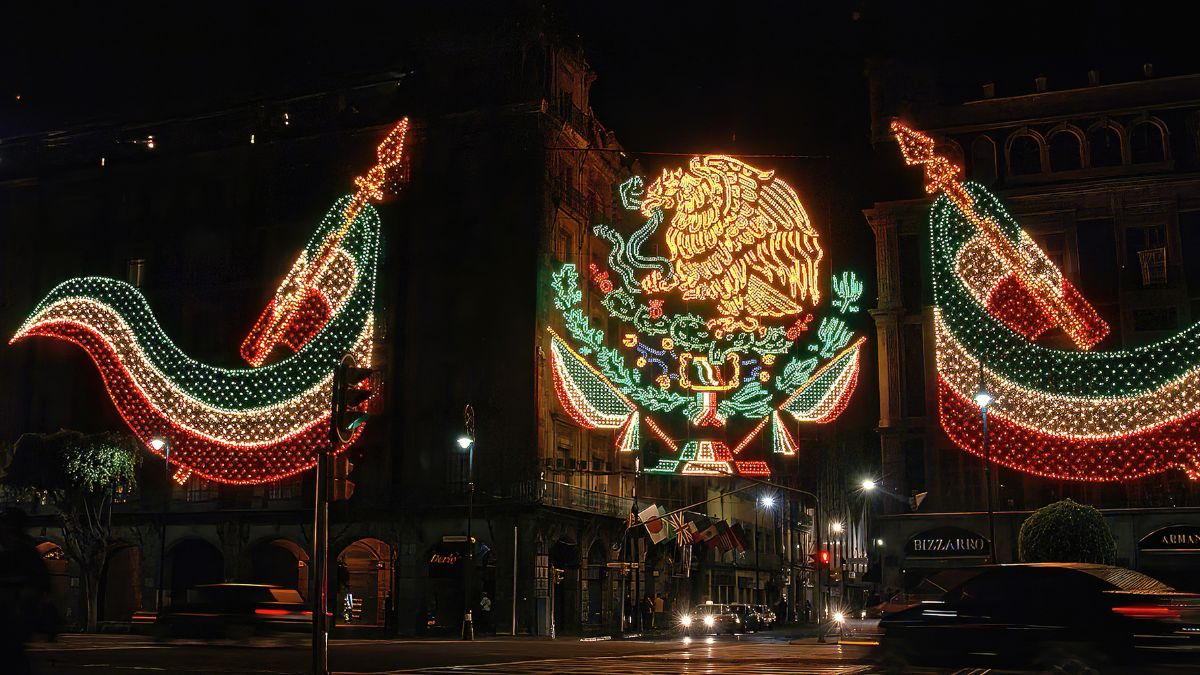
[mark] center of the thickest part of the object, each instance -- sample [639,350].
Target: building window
[983,160]
[200,489]
[1155,319]
[1024,155]
[1054,245]
[1146,143]
[1066,152]
[1104,145]
[563,243]
[1145,255]
[134,269]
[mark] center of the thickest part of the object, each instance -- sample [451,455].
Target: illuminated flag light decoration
[249,425]
[740,246]
[1077,415]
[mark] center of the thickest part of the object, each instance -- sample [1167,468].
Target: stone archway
[55,559]
[190,563]
[280,562]
[363,574]
[120,584]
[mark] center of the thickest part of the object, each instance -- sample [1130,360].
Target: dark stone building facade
[509,169]
[1106,179]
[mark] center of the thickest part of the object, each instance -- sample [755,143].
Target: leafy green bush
[1067,531]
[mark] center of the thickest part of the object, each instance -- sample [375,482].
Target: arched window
[1104,145]
[1146,143]
[1024,155]
[983,160]
[1066,152]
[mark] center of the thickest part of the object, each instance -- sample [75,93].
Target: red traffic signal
[820,559]
[824,558]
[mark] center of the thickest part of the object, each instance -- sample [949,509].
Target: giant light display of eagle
[241,425]
[718,338]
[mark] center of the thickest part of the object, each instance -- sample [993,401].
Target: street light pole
[757,545]
[983,398]
[468,444]
[164,445]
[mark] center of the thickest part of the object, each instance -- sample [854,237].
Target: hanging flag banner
[657,525]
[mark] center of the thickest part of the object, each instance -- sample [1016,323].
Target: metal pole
[819,605]
[757,534]
[514,586]
[162,539]
[320,566]
[468,632]
[987,476]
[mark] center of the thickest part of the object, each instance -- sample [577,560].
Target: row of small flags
[696,529]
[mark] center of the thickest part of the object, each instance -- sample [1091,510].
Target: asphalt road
[765,654]
[130,655]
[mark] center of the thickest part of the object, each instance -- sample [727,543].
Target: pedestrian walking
[658,609]
[647,613]
[485,614]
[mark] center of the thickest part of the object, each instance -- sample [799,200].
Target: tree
[81,475]
[1067,531]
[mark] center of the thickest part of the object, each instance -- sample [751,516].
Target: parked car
[711,618]
[751,620]
[1057,615]
[767,616]
[234,610]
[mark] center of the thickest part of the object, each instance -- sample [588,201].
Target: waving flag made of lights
[717,340]
[248,425]
[1072,414]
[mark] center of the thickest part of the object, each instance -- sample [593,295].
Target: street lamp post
[983,398]
[468,443]
[163,445]
[767,501]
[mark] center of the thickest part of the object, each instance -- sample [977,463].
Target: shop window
[1066,152]
[1146,143]
[1104,145]
[1024,155]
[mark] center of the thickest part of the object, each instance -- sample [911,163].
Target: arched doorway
[56,563]
[564,555]
[364,576]
[280,562]
[120,587]
[595,580]
[190,563]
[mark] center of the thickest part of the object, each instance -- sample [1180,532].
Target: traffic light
[341,487]
[820,559]
[351,389]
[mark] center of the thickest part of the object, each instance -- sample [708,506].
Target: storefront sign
[947,542]
[1173,539]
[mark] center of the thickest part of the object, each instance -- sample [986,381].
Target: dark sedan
[1056,615]
[234,611]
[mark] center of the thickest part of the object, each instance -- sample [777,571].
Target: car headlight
[686,621]
[709,620]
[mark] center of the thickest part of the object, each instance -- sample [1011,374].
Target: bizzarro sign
[947,542]
[1172,539]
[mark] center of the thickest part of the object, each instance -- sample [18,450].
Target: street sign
[455,539]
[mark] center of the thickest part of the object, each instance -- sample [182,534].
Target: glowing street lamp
[835,527]
[164,446]
[766,502]
[983,398]
[868,484]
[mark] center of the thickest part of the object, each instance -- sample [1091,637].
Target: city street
[766,653]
